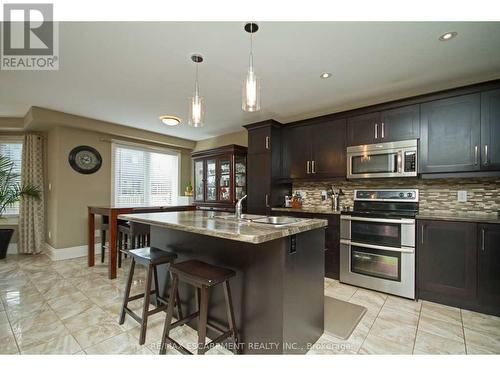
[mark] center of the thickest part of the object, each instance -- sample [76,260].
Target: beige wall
[72,192]
[238,138]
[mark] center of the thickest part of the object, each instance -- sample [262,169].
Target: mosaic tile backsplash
[483,194]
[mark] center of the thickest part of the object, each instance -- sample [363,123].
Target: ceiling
[132,72]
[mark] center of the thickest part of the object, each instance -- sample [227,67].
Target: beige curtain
[31,211]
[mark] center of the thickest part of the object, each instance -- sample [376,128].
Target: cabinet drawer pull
[308,167]
[267,200]
[482,240]
[422,229]
[475,155]
[376,131]
[267,142]
[383,130]
[486,161]
[313,166]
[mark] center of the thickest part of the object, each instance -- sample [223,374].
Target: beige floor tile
[481,322]
[60,345]
[394,331]
[482,340]
[379,345]
[40,334]
[473,349]
[121,344]
[28,323]
[8,345]
[340,291]
[70,305]
[95,334]
[403,304]
[2,307]
[90,317]
[427,343]
[5,330]
[392,313]
[29,310]
[441,312]
[3,317]
[450,331]
[55,289]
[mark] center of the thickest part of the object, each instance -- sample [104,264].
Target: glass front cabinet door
[199,180]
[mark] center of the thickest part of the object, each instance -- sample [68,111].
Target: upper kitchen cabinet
[219,177]
[450,135]
[315,151]
[490,130]
[396,124]
[259,140]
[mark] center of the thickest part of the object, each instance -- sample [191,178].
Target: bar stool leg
[103,244]
[157,288]
[202,322]
[127,291]
[145,308]
[230,316]
[170,313]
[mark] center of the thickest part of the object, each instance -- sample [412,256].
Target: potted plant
[11,192]
[189,190]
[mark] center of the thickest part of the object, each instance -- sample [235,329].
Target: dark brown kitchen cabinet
[490,130]
[447,262]
[489,267]
[315,150]
[264,167]
[450,135]
[396,124]
[219,176]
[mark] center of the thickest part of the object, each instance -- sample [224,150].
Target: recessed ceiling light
[447,36]
[170,120]
[325,75]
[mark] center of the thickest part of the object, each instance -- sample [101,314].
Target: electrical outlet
[324,195]
[462,196]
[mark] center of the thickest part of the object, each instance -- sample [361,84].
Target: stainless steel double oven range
[377,241]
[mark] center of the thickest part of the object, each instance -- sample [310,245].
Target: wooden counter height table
[112,211]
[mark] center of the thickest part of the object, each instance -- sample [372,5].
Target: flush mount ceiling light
[251,85]
[170,120]
[196,102]
[325,75]
[448,36]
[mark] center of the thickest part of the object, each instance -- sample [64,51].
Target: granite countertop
[207,223]
[308,210]
[478,217]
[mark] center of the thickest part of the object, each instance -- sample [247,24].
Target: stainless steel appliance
[377,241]
[391,159]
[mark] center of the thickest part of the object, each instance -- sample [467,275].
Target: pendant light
[196,102]
[251,85]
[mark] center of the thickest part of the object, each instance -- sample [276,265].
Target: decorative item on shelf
[196,102]
[10,193]
[251,85]
[296,200]
[335,193]
[189,190]
[85,159]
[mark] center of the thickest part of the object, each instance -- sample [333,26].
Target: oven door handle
[379,247]
[377,220]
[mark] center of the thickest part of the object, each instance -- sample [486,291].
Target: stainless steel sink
[277,220]
[244,217]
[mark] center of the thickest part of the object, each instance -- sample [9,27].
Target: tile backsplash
[483,194]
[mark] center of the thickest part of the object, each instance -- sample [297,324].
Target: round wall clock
[85,159]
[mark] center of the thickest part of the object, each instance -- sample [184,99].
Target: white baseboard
[69,252]
[12,249]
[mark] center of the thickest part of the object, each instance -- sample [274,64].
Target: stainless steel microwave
[391,159]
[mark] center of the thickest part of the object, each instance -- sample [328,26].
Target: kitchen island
[278,287]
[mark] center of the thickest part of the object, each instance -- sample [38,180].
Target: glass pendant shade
[251,92]
[197,111]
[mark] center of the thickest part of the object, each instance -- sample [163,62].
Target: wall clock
[85,159]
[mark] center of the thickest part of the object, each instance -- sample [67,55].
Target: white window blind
[13,150]
[144,176]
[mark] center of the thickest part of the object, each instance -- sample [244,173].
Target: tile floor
[64,307]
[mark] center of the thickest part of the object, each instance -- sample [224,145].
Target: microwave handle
[400,162]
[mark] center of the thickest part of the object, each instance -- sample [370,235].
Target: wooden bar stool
[202,276]
[132,236]
[150,258]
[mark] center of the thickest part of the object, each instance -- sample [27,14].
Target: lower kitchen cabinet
[458,264]
[332,239]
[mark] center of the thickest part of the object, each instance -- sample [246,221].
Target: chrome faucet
[238,207]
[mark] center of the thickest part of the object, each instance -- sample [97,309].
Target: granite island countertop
[478,217]
[307,210]
[207,223]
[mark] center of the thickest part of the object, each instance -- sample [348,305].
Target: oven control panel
[387,195]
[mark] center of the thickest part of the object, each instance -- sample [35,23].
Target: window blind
[144,177]
[13,150]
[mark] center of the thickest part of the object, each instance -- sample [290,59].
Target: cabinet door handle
[308,167]
[486,161]
[376,131]
[422,229]
[267,200]
[482,240]
[267,143]
[383,130]
[475,155]
[313,166]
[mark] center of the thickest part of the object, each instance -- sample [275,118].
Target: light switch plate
[462,195]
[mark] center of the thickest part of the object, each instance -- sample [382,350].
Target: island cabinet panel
[315,151]
[450,135]
[447,262]
[489,267]
[490,130]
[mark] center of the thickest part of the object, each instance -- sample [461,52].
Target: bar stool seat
[202,276]
[150,258]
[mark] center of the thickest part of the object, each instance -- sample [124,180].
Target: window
[143,176]
[13,148]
